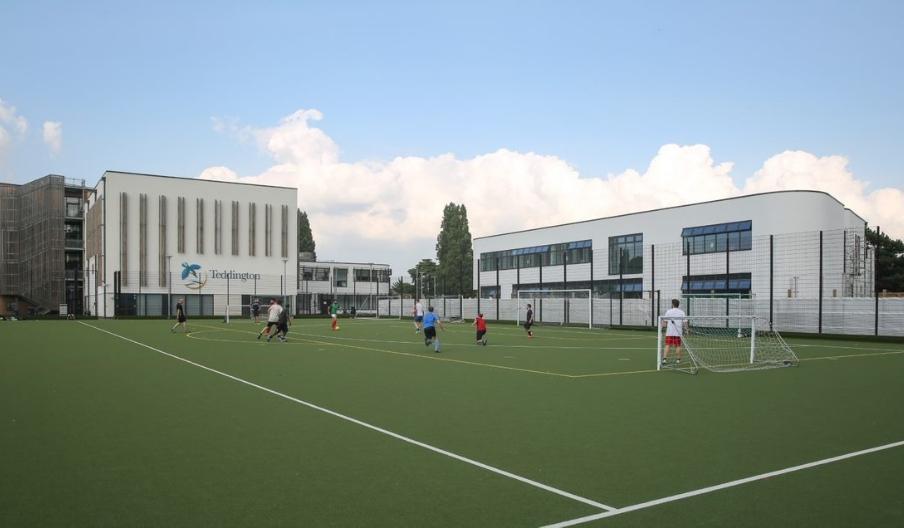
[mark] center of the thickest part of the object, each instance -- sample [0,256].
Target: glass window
[340,276]
[626,254]
[733,236]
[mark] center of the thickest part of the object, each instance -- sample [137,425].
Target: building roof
[672,207]
[338,262]
[196,179]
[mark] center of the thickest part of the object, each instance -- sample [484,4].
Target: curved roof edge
[193,179]
[674,207]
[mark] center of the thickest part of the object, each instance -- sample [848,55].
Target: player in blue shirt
[430,322]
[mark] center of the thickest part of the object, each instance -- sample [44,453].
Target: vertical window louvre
[235,228]
[199,228]
[123,238]
[143,240]
[161,241]
[217,227]
[180,225]
[285,231]
[266,230]
[252,229]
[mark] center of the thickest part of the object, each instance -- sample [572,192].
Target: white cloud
[400,201]
[52,134]
[12,126]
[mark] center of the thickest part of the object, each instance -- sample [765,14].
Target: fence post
[621,287]
[565,285]
[876,279]
[771,278]
[727,280]
[591,283]
[653,285]
[819,330]
[498,289]
[478,285]
[540,303]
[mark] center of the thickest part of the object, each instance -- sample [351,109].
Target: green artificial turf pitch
[102,431]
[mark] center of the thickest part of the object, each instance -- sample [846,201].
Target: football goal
[388,307]
[721,343]
[556,307]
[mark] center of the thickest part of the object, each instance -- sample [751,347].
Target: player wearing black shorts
[282,324]
[256,310]
[529,321]
[180,317]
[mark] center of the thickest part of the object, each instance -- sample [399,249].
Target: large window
[626,254]
[579,252]
[340,277]
[737,283]
[310,273]
[717,238]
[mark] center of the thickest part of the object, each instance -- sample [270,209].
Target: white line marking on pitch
[378,429]
[717,487]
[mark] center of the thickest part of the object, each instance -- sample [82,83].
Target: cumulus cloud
[12,126]
[52,134]
[401,200]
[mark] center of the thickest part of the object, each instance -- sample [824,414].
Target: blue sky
[600,85]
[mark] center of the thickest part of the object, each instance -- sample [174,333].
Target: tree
[402,288]
[454,251]
[305,237]
[425,276]
[890,267]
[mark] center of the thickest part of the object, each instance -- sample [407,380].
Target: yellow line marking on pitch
[419,356]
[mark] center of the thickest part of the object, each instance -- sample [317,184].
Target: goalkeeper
[674,331]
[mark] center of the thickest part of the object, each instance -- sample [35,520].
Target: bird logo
[194,278]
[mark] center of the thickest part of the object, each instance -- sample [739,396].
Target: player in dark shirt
[529,321]
[282,324]
[181,319]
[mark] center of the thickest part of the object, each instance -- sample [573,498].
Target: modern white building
[352,284]
[151,240]
[776,245]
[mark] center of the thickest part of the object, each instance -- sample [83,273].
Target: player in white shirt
[418,316]
[272,319]
[673,332]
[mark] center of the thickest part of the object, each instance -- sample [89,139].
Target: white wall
[784,214]
[268,269]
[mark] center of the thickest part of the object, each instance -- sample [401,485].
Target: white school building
[154,239]
[763,250]
[351,284]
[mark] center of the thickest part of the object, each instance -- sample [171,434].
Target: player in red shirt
[481,325]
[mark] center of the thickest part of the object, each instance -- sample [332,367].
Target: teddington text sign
[234,275]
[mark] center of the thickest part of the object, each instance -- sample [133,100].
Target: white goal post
[721,343]
[560,306]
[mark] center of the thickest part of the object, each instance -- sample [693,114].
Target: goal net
[721,343]
[726,304]
[556,307]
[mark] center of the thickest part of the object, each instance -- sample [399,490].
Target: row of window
[340,275]
[625,251]
[717,238]
[199,232]
[579,252]
[734,283]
